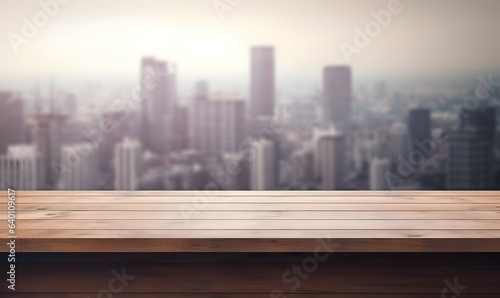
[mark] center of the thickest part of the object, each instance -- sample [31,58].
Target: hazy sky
[108,37]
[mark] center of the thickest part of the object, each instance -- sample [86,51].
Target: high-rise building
[128,164]
[317,134]
[179,128]
[201,91]
[302,166]
[120,128]
[20,168]
[337,88]
[48,135]
[398,143]
[419,126]
[218,125]
[158,98]
[80,170]
[11,120]
[471,160]
[262,166]
[332,158]
[232,173]
[262,89]
[148,81]
[379,169]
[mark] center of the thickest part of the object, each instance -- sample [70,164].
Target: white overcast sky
[108,37]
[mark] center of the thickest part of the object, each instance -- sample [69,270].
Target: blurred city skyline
[252,95]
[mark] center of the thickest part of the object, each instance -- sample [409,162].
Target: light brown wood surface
[248,221]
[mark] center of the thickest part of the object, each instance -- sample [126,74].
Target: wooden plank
[256,200]
[258,234]
[255,214]
[256,221]
[229,224]
[232,193]
[83,243]
[188,208]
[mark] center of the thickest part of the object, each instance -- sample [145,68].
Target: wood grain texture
[261,221]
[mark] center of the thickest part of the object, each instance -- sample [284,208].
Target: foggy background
[249,94]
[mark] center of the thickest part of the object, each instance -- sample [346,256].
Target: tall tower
[471,161]
[332,157]
[262,167]
[120,130]
[379,167]
[398,143]
[147,81]
[419,126]
[81,170]
[262,90]
[218,125]
[158,93]
[317,134]
[20,168]
[128,164]
[11,120]
[337,86]
[201,91]
[48,136]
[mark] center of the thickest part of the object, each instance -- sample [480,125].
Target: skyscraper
[379,168]
[399,143]
[337,85]
[20,168]
[147,81]
[158,99]
[80,167]
[11,120]
[218,125]
[201,91]
[262,166]
[262,90]
[317,134]
[471,160]
[179,128]
[419,126]
[48,136]
[121,128]
[128,164]
[302,167]
[332,158]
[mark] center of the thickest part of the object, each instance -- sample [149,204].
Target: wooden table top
[254,221]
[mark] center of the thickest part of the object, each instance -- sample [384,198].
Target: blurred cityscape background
[290,112]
